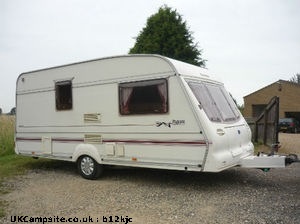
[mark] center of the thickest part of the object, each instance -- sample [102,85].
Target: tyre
[89,168]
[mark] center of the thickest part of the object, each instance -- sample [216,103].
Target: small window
[63,95]
[145,97]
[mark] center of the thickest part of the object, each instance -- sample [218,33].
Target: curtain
[163,92]
[126,93]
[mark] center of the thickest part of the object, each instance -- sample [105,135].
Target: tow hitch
[266,161]
[291,158]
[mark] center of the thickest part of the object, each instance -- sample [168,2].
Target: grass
[7,124]
[6,150]
[10,163]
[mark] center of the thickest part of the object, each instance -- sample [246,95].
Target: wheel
[89,168]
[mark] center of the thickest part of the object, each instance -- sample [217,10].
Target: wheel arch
[86,149]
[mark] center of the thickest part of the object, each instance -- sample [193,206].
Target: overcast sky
[248,44]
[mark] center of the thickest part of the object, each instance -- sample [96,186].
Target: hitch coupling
[291,158]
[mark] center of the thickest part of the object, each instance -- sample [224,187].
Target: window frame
[126,91]
[60,104]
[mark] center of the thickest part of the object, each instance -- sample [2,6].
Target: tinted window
[63,95]
[145,97]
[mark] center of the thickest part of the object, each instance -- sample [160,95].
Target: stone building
[289,99]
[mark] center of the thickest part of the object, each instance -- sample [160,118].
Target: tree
[0,111]
[295,79]
[167,34]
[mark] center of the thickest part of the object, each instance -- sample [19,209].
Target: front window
[143,97]
[215,101]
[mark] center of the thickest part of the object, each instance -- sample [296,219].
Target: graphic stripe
[127,141]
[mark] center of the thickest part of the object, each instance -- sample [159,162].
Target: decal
[178,122]
[169,124]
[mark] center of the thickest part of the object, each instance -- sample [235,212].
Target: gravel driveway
[156,196]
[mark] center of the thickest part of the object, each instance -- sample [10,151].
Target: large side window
[205,101]
[222,103]
[144,97]
[63,95]
[215,101]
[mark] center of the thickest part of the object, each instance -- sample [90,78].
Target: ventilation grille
[93,139]
[94,117]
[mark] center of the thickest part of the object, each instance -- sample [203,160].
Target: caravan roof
[179,67]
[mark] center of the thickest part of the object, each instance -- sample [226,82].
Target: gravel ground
[290,143]
[156,196]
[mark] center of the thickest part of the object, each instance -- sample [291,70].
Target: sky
[248,44]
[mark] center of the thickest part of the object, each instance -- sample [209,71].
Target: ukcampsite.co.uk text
[58,219]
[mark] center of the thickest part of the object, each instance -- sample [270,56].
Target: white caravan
[134,110]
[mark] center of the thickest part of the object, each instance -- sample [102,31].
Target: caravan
[133,110]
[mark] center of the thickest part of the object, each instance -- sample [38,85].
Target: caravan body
[133,110]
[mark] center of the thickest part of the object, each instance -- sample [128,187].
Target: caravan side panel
[94,124]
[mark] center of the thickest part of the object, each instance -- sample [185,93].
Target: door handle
[220,132]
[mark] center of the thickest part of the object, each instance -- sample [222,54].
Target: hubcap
[87,166]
